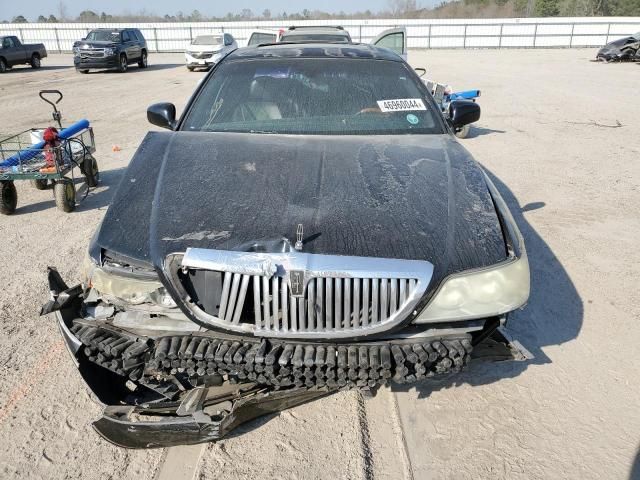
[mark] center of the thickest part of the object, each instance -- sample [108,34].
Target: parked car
[263,36]
[309,223]
[395,39]
[14,52]
[111,48]
[627,48]
[207,50]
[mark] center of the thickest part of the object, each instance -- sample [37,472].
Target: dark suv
[110,48]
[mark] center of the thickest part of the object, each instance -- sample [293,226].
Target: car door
[394,39]
[12,51]
[129,43]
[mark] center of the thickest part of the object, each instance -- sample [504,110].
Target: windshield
[104,36]
[315,37]
[319,96]
[208,40]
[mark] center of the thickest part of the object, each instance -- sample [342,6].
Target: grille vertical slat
[265,303]
[224,297]
[275,298]
[328,324]
[293,323]
[403,294]
[365,301]
[284,302]
[355,322]
[319,306]
[311,298]
[375,300]
[235,285]
[347,303]
[338,304]
[393,294]
[384,299]
[302,314]
[257,295]
[241,296]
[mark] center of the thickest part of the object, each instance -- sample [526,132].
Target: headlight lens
[134,291]
[480,294]
[109,51]
[75,50]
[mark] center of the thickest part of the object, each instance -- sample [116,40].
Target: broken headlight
[122,285]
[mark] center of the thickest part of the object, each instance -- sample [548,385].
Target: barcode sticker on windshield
[401,105]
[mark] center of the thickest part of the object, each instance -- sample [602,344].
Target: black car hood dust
[405,196]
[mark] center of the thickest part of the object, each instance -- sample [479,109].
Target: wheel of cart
[47,157]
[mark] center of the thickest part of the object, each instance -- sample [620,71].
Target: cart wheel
[40,183]
[64,192]
[9,198]
[463,132]
[91,171]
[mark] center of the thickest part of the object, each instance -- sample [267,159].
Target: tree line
[395,9]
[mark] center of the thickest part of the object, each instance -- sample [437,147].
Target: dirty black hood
[408,197]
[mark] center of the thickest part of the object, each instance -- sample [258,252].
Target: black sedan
[627,48]
[309,224]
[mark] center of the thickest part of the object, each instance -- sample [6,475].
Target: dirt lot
[560,137]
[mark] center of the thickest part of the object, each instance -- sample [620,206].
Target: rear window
[259,38]
[314,37]
[208,40]
[313,96]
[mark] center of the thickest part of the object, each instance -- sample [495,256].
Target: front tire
[39,183]
[64,192]
[143,60]
[191,69]
[8,198]
[35,61]
[123,64]
[85,71]
[3,65]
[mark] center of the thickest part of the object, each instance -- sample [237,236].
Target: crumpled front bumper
[155,397]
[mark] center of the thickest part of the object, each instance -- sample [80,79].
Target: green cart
[25,156]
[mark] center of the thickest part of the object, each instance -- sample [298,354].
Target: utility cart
[47,156]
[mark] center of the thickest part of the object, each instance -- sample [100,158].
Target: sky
[32,8]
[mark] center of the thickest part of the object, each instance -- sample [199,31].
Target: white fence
[422,33]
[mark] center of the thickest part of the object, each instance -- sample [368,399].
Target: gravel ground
[550,138]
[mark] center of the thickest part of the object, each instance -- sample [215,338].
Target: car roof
[316,30]
[315,50]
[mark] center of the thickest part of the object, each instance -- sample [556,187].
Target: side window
[139,35]
[393,41]
[228,39]
[125,36]
[7,43]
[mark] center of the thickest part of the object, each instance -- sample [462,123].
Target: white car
[207,50]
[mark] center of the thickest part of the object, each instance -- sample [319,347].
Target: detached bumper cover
[181,378]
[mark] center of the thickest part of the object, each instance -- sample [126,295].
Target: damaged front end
[164,380]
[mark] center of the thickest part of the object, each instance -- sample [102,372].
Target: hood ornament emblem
[299,233]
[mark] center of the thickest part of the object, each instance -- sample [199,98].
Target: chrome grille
[201,55]
[342,296]
[330,304]
[92,53]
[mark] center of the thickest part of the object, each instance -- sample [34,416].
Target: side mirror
[463,112]
[162,115]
